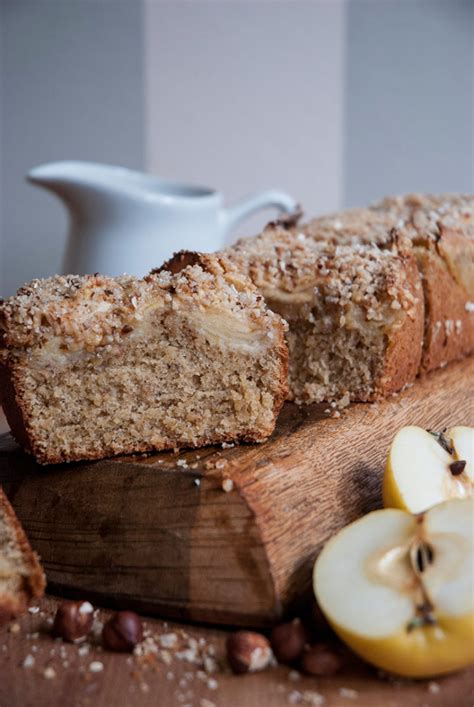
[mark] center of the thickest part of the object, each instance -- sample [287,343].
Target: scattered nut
[122,632]
[321,660]
[73,620]
[288,641]
[248,652]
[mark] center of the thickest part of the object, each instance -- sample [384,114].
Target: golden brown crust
[449,325]
[179,261]
[404,350]
[34,582]
[11,387]
[441,229]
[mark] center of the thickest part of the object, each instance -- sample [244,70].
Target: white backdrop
[336,102]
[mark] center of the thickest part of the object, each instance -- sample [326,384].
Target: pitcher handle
[263,200]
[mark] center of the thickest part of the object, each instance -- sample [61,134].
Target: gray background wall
[72,88]
[248,95]
[409,101]
[337,102]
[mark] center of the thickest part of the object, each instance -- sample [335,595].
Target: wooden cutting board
[160,533]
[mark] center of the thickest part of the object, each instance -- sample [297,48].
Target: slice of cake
[21,576]
[96,366]
[440,229]
[355,310]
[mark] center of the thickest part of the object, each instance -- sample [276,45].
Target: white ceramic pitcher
[125,221]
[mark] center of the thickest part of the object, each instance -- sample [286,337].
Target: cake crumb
[168,640]
[49,673]
[29,661]
[294,676]
[434,688]
[227,485]
[348,693]
[96,666]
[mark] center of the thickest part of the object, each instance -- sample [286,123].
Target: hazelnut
[122,632]
[321,660]
[288,640]
[73,620]
[248,652]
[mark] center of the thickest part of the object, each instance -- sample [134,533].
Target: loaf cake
[21,576]
[354,309]
[440,230]
[95,366]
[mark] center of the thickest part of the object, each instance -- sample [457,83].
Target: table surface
[186,668]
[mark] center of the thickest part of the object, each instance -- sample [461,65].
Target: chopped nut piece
[227,485]
[29,661]
[248,652]
[96,666]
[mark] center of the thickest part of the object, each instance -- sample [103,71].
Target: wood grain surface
[127,681]
[161,534]
[130,681]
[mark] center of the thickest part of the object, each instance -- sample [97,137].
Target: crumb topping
[292,261]
[420,218]
[90,311]
[425,212]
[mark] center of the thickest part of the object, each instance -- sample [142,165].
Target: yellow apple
[399,588]
[425,468]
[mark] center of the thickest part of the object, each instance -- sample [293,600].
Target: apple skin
[421,653]
[391,496]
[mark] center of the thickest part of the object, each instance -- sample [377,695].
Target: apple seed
[457,467]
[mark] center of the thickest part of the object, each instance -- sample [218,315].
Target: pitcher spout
[88,187]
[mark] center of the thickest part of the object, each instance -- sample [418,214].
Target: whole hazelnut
[288,641]
[122,632]
[248,652]
[321,660]
[73,620]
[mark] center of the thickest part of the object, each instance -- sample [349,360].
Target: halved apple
[424,468]
[399,588]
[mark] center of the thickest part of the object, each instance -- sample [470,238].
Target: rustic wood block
[146,532]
